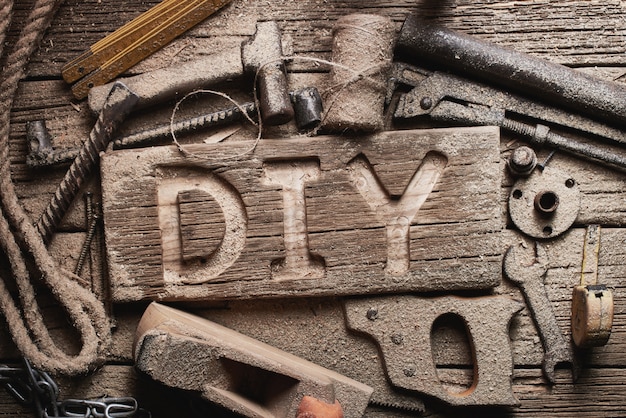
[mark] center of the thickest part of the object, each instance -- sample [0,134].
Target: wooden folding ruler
[117,52]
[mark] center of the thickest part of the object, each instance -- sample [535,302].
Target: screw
[545,162]
[522,161]
[372,314]
[118,104]
[204,121]
[426,103]
[92,221]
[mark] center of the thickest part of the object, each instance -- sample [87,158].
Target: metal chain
[35,388]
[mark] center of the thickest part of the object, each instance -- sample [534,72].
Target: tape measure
[150,31]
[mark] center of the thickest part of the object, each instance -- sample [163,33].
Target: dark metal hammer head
[263,54]
[307,104]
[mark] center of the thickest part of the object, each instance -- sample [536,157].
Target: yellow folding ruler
[117,52]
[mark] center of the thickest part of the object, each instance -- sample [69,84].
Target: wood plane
[244,375]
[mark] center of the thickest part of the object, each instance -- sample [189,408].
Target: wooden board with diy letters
[414,210]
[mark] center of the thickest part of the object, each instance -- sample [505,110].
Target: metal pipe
[423,42]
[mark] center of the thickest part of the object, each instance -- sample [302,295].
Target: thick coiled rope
[20,240]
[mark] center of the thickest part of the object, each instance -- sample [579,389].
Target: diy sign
[396,211]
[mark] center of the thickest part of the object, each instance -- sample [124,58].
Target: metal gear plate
[546,204]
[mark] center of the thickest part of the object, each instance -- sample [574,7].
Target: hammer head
[263,54]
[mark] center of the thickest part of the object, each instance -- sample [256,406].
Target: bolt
[372,314]
[522,161]
[426,103]
[119,103]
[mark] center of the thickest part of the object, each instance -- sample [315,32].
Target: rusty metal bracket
[527,267]
[546,204]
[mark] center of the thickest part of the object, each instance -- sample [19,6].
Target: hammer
[260,54]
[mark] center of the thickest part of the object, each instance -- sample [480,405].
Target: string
[357,75]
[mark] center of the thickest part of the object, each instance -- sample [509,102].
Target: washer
[546,204]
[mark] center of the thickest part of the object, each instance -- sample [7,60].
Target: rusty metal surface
[546,204]
[526,268]
[401,326]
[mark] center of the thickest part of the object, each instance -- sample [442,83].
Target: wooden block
[392,212]
[237,372]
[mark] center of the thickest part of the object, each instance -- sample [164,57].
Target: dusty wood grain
[572,32]
[332,224]
[578,33]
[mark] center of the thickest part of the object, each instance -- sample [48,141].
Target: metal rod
[218,118]
[118,105]
[424,42]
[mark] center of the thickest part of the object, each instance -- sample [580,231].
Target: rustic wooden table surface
[589,35]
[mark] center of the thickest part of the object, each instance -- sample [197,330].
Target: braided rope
[19,237]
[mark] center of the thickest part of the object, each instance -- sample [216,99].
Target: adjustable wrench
[455,100]
[530,280]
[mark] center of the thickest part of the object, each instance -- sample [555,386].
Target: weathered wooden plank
[334,225]
[571,32]
[568,31]
[597,393]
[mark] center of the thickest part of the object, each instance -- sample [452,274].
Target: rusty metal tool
[237,372]
[529,277]
[43,154]
[135,41]
[262,54]
[456,100]
[592,303]
[402,327]
[562,86]
[307,104]
[118,104]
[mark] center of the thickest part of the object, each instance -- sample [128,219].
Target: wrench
[530,280]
